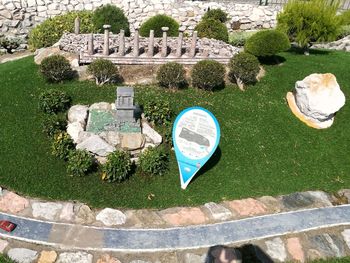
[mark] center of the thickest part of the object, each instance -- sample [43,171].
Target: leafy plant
[238,39]
[158,111]
[56,68]
[113,16]
[80,163]
[171,75]
[50,31]
[104,71]
[53,124]
[117,167]
[62,145]
[344,18]
[10,43]
[212,28]
[216,14]
[208,75]
[244,68]
[311,21]
[156,23]
[267,43]
[53,101]
[154,161]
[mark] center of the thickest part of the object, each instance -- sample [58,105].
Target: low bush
[267,43]
[216,14]
[212,28]
[238,39]
[153,161]
[117,167]
[158,111]
[50,31]
[171,75]
[113,16]
[104,71]
[344,31]
[53,101]
[344,18]
[62,145]
[208,75]
[156,23]
[53,124]
[244,68]
[10,43]
[56,68]
[80,163]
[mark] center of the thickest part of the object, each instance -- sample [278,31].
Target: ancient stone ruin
[145,50]
[316,99]
[103,128]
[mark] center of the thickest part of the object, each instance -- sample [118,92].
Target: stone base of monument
[96,130]
[308,121]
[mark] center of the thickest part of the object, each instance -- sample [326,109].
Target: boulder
[132,141]
[111,217]
[47,210]
[74,129]
[151,133]
[78,257]
[316,99]
[96,145]
[22,255]
[13,203]
[112,137]
[78,113]
[43,53]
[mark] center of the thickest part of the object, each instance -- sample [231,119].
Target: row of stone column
[136,50]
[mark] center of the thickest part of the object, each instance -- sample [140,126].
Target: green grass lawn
[264,149]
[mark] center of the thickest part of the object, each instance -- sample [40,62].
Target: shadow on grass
[300,51]
[247,253]
[272,60]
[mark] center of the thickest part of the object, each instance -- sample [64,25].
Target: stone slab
[111,217]
[183,216]
[47,256]
[247,207]
[328,245]
[276,249]
[218,212]
[49,210]
[78,257]
[295,249]
[13,203]
[22,255]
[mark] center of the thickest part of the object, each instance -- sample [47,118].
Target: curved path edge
[70,236]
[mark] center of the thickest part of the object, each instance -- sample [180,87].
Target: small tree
[309,21]
[103,71]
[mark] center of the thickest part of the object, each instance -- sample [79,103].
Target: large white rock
[96,145]
[151,133]
[316,99]
[111,217]
[78,113]
[22,255]
[79,257]
[46,210]
[112,137]
[74,129]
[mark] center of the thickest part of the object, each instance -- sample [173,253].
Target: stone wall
[17,17]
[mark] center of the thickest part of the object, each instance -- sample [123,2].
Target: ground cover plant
[264,149]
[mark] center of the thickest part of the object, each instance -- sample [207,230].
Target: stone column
[164,42]
[193,44]
[121,51]
[150,52]
[179,42]
[106,40]
[136,43]
[77,25]
[91,44]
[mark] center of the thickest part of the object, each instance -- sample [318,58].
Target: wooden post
[77,25]
[150,52]
[121,51]
[136,43]
[91,44]
[164,42]
[179,42]
[193,44]
[106,40]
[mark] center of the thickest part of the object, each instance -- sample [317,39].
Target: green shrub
[167,132]
[117,167]
[154,161]
[344,18]
[344,31]
[53,124]
[244,67]
[56,68]
[104,71]
[216,14]
[53,101]
[267,43]
[208,75]
[211,28]
[113,16]
[171,75]
[80,163]
[158,111]
[156,23]
[50,31]
[10,43]
[62,145]
[309,21]
[238,39]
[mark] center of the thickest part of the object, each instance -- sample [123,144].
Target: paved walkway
[72,236]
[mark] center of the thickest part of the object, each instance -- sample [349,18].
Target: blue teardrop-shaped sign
[196,135]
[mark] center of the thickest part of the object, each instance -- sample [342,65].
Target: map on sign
[196,135]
